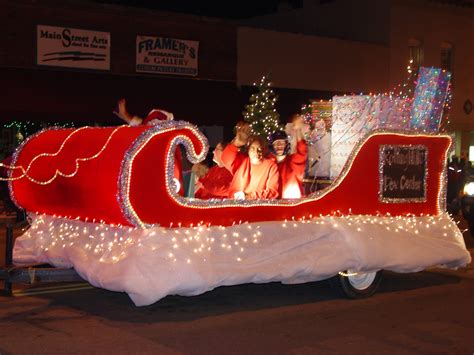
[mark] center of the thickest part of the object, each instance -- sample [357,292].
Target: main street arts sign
[72,48]
[162,55]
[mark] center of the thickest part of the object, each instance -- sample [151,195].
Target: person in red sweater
[213,183]
[290,166]
[153,117]
[254,176]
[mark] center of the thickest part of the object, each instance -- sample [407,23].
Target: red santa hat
[158,115]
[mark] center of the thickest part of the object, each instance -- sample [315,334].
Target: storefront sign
[162,55]
[72,48]
[403,173]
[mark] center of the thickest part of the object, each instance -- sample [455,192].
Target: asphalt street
[416,313]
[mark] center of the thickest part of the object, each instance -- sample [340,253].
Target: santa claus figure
[153,117]
[290,166]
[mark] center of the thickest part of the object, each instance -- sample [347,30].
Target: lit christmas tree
[261,112]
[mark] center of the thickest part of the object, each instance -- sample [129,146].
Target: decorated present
[429,99]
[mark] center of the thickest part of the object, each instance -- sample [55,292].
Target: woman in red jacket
[255,177]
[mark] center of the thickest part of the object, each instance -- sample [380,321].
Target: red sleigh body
[124,176]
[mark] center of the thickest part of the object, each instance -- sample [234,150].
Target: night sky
[223,9]
[232,9]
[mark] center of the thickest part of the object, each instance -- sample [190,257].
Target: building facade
[376,39]
[439,34]
[39,91]
[315,51]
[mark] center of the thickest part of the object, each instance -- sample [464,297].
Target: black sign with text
[403,173]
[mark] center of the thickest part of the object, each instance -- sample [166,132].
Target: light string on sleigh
[25,171]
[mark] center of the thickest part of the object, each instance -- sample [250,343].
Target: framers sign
[162,55]
[72,48]
[403,173]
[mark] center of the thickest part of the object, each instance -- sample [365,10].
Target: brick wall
[33,92]
[217,39]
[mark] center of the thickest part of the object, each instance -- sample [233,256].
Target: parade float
[104,201]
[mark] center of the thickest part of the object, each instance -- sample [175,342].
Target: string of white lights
[57,172]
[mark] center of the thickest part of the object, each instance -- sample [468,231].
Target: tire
[357,285]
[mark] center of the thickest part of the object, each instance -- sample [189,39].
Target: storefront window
[415,52]
[447,56]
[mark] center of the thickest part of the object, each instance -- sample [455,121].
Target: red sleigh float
[103,201]
[123,176]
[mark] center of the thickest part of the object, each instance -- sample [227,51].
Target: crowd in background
[7,207]
[459,169]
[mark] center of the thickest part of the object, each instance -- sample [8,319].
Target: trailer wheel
[357,284]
